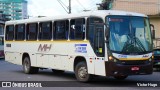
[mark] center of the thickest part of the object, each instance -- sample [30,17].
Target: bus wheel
[121,77]
[81,72]
[57,71]
[27,68]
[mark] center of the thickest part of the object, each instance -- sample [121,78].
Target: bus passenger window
[9,32]
[77,29]
[20,32]
[45,31]
[61,30]
[32,31]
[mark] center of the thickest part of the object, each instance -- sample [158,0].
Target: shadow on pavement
[98,81]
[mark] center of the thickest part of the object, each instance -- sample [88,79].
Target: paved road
[65,81]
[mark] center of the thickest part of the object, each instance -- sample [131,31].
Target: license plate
[135,68]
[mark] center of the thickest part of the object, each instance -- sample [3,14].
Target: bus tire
[57,71]
[81,72]
[120,77]
[27,68]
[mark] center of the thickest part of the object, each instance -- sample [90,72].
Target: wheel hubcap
[26,66]
[82,72]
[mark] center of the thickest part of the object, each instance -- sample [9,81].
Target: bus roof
[97,13]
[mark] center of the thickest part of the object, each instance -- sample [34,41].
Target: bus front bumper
[113,69]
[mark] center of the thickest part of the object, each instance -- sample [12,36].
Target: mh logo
[44,48]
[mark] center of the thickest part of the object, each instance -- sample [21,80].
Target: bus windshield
[129,34]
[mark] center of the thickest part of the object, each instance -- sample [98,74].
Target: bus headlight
[152,57]
[111,58]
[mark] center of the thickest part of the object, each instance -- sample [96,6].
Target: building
[14,9]
[2,20]
[148,7]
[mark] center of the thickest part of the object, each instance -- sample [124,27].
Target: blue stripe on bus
[80,44]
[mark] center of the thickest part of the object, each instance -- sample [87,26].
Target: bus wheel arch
[77,60]
[81,69]
[23,56]
[27,68]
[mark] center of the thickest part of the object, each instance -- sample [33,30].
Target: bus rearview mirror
[152,31]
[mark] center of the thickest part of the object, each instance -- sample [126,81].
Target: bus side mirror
[153,34]
[152,31]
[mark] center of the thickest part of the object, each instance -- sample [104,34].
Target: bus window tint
[92,22]
[45,31]
[61,30]
[77,29]
[32,31]
[95,35]
[20,32]
[9,32]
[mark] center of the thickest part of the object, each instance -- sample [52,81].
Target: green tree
[105,5]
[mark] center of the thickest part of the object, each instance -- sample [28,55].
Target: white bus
[106,43]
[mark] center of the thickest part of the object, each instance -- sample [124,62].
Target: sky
[53,7]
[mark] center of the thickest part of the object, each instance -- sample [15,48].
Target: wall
[148,7]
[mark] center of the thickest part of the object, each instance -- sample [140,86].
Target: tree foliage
[105,5]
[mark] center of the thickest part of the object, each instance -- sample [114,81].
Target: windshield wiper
[126,45]
[132,45]
[139,43]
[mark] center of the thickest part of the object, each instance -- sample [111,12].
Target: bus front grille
[137,62]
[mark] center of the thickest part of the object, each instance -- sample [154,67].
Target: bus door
[99,49]
[99,40]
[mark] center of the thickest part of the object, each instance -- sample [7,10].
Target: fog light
[150,59]
[115,60]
